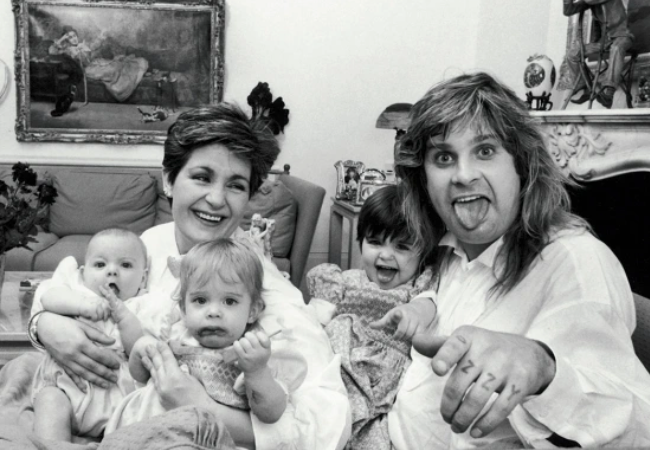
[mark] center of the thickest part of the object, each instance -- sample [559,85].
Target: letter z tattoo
[469,365]
[491,378]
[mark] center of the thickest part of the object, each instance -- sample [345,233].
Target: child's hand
[407,320]
[118,310]
[253,351]
[95,308]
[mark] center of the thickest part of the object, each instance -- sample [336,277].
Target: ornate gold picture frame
[114,71]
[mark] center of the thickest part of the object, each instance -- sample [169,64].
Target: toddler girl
[220,301]
[373,317]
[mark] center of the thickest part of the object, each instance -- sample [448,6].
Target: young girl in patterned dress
[220,301]
[369,316]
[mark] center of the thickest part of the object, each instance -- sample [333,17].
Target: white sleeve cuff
[551,410]
[431,295]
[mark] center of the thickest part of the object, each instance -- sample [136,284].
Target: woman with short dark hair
[215,159]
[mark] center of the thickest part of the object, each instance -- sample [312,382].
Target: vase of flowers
[21,209]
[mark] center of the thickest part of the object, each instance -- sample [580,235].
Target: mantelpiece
[596,147]
[594,144]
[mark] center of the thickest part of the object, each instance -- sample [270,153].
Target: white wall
[337,64]
[509,32]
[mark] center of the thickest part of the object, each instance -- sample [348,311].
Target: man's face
[473,185]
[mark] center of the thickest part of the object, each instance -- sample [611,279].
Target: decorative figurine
[610,18]
[643,95]
[539,79]
[261,232]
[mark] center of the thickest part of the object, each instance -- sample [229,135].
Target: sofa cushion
[275,201]
[283,264]
[72,245]
[92,201]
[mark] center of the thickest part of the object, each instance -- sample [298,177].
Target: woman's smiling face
[210,195]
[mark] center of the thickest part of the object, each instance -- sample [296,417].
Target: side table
[15,310]
[344,210]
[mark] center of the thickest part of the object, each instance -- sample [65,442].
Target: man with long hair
[532,346]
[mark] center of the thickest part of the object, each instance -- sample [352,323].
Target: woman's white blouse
[576,299]
[318,412]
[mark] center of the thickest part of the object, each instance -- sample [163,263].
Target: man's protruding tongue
[471,214]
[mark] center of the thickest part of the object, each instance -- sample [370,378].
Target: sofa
[91,198]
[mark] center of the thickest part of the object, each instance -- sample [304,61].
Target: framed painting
[114,71]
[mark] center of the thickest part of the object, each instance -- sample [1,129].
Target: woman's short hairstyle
[232,261]
[225,124]
[482,103]
[381,217]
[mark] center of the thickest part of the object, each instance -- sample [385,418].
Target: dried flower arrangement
[21,204]
[264,107]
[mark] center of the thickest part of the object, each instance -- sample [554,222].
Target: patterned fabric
[186,428]
[372,361]
[218,377]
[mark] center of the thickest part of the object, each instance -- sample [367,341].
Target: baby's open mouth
[114,288]
[385,273]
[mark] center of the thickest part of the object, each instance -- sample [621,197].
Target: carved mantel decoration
[572,145]
[592,145]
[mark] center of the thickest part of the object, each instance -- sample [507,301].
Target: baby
[114,270]
[220,301]
[370,315]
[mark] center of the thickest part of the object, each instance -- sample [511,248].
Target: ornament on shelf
[642,99]
[539,79]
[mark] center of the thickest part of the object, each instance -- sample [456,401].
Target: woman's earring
[167,191]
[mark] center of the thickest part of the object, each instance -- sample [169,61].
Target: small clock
[539,75]
[539,79]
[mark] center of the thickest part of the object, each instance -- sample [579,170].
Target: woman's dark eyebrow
[204,168]
[239,177]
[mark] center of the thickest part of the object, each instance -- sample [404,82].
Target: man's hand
[253,351]
[485,362]
[408,320]
[95,308]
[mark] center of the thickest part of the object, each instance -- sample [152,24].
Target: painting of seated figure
[109,72]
